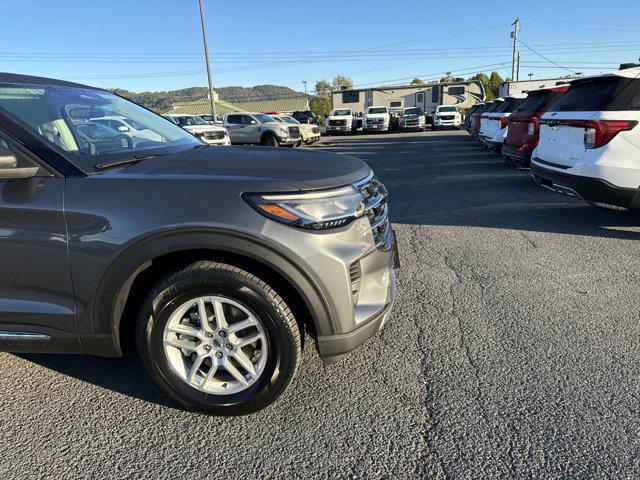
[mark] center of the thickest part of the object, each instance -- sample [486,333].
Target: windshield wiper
[127,161]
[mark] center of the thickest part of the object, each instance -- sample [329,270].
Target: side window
[234,119]
[246,120]
[12,157]
[420,98]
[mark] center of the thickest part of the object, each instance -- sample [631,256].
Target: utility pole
[206,56]
[304,82]
[530,76]
[518,68]
[514,35]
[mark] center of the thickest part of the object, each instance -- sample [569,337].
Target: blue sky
[156,44]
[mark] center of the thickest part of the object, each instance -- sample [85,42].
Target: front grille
[447,117]
[375,120]
[294,132]
[214,135]
[337,123]
[375,197]
[355,276]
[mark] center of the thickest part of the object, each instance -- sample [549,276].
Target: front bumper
[286,141]
[333,348]
[446,123]
[376,127]
[593,190]
[217,142]
[338,128]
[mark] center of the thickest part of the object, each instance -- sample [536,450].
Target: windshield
[413,111]
[262,118]
[62,117]
[290,120]
[339,112]
[447,109]
[377,110]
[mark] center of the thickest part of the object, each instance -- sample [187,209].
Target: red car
[524,125]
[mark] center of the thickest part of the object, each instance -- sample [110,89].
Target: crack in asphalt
[430,421]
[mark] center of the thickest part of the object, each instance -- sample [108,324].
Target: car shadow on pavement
[125,375]
[446,178]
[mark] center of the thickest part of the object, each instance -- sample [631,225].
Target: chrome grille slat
[376,210]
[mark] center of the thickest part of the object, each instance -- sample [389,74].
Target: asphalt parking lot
[513,352]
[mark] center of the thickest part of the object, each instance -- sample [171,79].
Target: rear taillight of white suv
[600,132]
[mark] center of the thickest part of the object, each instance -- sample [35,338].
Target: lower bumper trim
[593,190]
[333,348]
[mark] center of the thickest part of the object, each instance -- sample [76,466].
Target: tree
[341,81]
[320,104]
[491,84]
[494,83]
[417,81]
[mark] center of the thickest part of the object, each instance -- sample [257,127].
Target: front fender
[113,289]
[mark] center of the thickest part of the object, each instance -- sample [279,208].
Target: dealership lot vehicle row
[579,139]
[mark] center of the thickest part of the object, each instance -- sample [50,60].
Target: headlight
[313,211]
[283,131]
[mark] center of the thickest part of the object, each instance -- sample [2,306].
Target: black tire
[210,278]
[270,140]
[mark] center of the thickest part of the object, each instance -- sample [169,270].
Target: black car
[305,116]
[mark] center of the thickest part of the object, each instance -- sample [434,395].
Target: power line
[547,59]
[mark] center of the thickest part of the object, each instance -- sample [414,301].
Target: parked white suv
[497,122]
[197,126]
[376,118]
[589,143]
[446,116]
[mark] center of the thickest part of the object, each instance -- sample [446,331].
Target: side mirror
[123,129]
[8,170]
[253,122]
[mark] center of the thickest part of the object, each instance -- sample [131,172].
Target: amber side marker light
[277,211]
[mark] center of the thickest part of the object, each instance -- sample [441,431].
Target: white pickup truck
[446,116]
[376,119]
[342,120]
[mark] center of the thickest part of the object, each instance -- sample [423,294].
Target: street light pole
[206,56]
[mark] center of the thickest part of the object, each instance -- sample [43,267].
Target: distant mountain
[162,101]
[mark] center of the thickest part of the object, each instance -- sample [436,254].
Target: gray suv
[211,265]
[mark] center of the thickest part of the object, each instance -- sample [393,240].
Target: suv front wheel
[270,140]
[218,340]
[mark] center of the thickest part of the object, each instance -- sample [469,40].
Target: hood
[303,170]
[376,115]
[339,117]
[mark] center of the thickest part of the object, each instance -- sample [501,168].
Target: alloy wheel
[216,345]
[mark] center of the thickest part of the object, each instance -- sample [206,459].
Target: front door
[37,305]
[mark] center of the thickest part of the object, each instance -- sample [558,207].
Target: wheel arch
[140,265]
